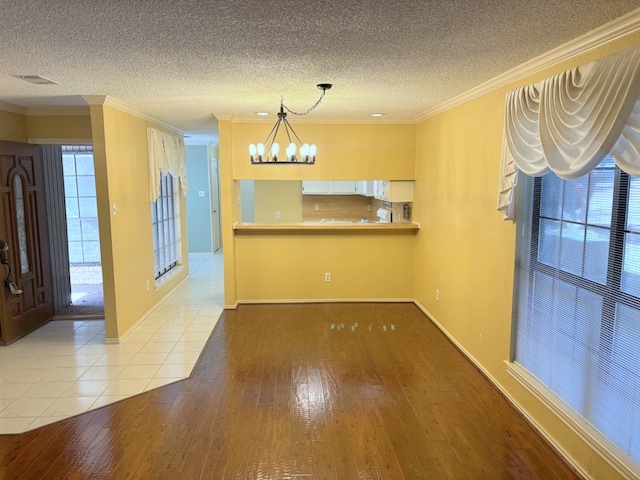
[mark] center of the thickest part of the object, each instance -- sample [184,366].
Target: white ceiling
[182,61]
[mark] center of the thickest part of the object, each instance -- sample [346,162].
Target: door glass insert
[18,193]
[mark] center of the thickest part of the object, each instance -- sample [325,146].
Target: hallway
[64,368]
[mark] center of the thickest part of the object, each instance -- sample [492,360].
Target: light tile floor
[64,368]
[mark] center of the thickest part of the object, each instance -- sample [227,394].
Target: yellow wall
[466,251]
[45,129]
[345,152]
[122,178]
[363,266]
[13,127]
[282,196]
[59,129]
[284,267]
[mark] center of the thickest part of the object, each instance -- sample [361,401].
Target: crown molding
[609,32]
[271,119]
[51,111]
[10,107]
[60,141]
[126,108]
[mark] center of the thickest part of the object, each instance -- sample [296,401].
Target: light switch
[201,193]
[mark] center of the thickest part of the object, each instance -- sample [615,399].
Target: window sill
[169,275]
[592,437]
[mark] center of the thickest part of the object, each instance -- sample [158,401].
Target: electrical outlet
[327,277]
[369,207]
[437,294]
[148,285]
[277,214]
[317,207]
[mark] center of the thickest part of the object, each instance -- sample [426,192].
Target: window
[166,227]
[81,204]
[578,296]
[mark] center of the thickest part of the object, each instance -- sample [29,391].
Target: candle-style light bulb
[252,151]
[260,149]
[291,152]
[304,152]
[275,149]
[312,152]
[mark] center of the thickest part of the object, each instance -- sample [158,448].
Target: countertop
[326,226]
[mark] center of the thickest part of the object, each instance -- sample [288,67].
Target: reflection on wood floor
[335,391]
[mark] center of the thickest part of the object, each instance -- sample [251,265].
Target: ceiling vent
[37,79]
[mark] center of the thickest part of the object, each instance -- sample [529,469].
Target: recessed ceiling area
[182,62]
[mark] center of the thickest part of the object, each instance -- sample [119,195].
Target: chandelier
[295,152]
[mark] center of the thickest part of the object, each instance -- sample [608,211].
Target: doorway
[85,269]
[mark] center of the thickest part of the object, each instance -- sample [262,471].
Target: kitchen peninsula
[328,226]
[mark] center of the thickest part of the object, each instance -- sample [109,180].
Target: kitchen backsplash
[339,207]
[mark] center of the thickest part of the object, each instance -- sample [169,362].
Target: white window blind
[166,227]
[578,296]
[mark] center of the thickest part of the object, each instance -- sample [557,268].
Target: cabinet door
[365,187]
[378,189]
[343,187]
[315,187]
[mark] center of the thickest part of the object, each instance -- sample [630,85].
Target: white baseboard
[325,300]
[121,338]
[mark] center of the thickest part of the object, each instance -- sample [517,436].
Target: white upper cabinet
[365,188]
[315,187]
[328,187]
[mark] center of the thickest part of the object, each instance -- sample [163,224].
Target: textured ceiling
[181,61]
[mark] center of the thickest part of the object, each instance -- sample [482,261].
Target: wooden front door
[23,227]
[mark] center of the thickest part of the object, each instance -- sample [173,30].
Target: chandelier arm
[289,127]
[309,110]
[275,128]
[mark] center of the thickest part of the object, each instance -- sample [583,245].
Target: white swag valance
[166,155]
[569,122]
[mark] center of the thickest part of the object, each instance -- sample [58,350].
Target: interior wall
[199,207]
[466,252]
[13,127]
[363,266]
[122,180]
[59,129]
[345,152]
[282,196]
[247,200]
[367,266]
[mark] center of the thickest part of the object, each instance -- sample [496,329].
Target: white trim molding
[60,141]
[270,119]
[65,111]
[10,107]
[607,33]
[575,422]
[126,108]
[324,300]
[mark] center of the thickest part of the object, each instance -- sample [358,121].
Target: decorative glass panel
[18,193]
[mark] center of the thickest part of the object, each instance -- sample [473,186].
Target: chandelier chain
[311,109]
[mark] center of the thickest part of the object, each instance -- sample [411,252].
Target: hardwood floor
[319,391]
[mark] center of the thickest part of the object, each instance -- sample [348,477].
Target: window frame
[166,246]
[611,291]
[583,420]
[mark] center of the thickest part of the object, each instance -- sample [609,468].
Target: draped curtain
[569,122]
[166,155]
